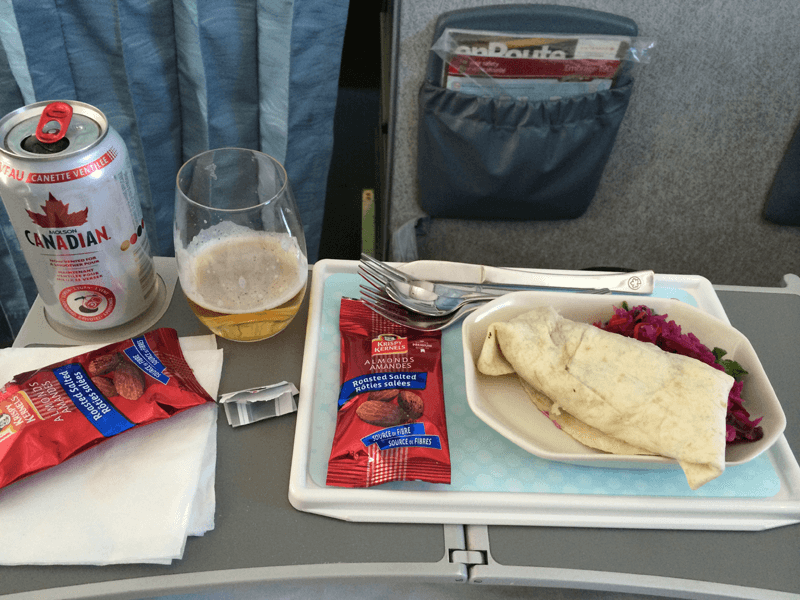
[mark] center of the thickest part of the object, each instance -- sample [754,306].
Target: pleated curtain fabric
[174,78]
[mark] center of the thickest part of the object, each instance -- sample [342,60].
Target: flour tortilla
[577,429]
[633,391]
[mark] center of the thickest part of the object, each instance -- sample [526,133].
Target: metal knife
[486,279]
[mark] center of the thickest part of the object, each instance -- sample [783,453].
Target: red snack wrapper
[391,422]
[52,414]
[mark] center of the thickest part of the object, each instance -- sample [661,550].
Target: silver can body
[78,218]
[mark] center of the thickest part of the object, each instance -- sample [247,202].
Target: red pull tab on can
[58,112]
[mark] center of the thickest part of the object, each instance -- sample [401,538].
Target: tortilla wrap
[660,402]
[577,429]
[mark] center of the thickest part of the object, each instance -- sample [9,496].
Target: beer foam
[232,269]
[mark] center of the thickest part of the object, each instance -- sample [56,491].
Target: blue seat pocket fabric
[503,159]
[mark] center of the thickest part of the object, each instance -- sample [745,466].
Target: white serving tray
[496,483]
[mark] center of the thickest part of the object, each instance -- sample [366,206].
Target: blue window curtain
[174,78]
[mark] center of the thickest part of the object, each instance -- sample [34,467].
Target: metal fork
[378,274]
[373,264]
[391,310]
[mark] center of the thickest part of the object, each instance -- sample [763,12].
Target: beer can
[67,184]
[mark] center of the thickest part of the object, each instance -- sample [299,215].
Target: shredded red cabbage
[641,323]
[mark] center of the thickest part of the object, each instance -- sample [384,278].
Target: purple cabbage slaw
[641,323]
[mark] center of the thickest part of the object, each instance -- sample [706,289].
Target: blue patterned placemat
[485,461]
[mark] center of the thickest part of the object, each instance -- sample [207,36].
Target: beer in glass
[239,243]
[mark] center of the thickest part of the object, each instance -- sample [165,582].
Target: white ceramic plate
[502,404]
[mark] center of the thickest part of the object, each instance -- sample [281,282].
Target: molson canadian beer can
[67,184]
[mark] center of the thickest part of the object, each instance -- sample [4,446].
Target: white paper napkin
[132,499]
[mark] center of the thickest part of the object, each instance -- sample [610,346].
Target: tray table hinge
[468,557]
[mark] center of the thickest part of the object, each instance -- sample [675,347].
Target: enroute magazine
[533,66]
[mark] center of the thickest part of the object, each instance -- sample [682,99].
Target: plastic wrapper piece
[259,403]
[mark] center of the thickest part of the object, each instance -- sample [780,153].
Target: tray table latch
[468,557]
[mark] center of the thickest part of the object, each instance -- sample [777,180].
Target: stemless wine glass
[239,243]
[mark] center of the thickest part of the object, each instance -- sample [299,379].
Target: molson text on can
[67,184]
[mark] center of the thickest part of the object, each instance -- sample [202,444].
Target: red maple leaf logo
[56,214]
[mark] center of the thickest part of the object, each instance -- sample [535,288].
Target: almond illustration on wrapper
[104,364]
[129,381]
[383,395]
[105,385]
[381,414]
[411,404]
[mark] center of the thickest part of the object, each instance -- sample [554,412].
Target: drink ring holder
[50,333]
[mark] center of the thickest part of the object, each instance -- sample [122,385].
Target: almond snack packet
[52,414]
[391,422]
